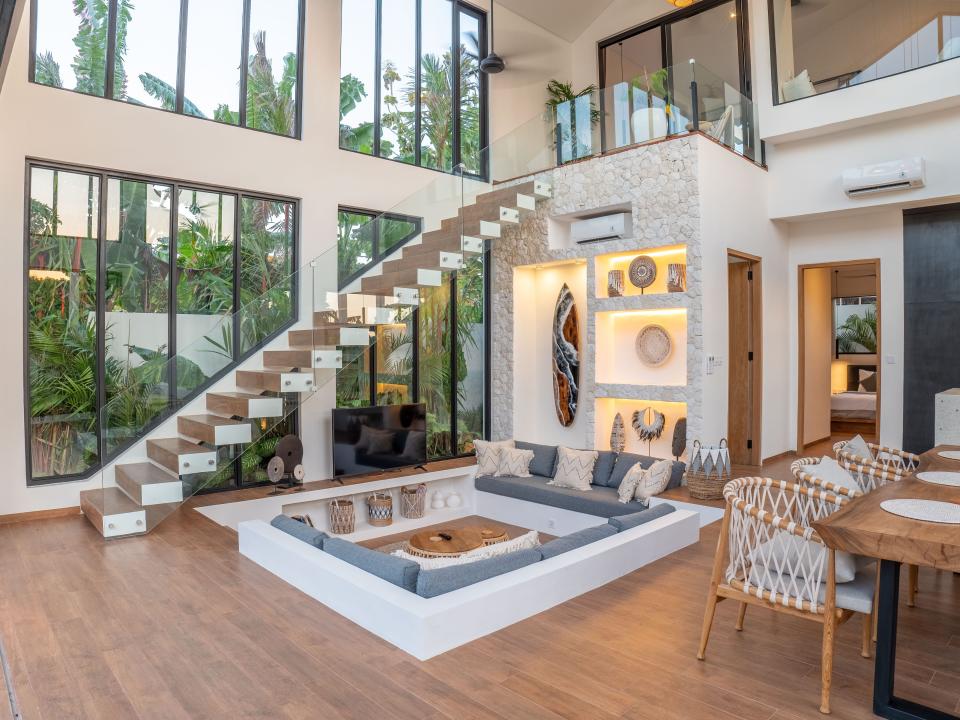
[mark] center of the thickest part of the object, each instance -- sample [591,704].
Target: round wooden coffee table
[453,542]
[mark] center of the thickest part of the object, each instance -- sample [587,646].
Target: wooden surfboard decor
[566,357]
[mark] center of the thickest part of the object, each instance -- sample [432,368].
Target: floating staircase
[148,491]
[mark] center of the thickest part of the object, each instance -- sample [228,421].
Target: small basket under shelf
[343,520]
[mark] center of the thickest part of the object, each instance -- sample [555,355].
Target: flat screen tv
[373,439]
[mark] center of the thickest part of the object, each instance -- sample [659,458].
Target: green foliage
[47,70]
[271,106]
[858,333]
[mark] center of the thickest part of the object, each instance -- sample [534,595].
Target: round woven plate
[928,510]
[643,271]
[950,454]
[941,478]
[654,345]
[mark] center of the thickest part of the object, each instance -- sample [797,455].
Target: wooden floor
[178,625]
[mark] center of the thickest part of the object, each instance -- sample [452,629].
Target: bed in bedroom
[855,409]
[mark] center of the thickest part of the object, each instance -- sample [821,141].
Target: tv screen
[372,439]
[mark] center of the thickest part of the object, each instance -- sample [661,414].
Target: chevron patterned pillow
[488,455]
[574,468]
[515,462]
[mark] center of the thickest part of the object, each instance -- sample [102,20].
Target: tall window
[201,274]
[411,88]
[233,61]
[835,44]
[366,237]
[434,354]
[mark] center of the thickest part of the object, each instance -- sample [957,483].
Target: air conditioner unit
[884,177]
[607,227]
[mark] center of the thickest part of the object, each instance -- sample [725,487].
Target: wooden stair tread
[146,473]
[179,446]
[214,420]
[109,501]
[237,395]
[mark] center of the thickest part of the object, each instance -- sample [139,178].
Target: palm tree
[271,106]
[858,333]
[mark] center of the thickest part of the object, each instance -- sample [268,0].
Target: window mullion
[456,69]
[111,59]
[418,82]
[377,74]
[101,389]
[172,271]
[244,62]
[182,55]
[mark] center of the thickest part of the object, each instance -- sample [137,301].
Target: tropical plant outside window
[855,320]
[435,355]
[425,110]
[365,237]
[81,413]
[139,62]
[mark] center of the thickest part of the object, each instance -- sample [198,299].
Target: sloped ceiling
[565,18]
[8,11]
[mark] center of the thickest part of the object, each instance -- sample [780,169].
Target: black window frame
[378,253]
[774,74]
[458,7]
[183,13]
[105,458]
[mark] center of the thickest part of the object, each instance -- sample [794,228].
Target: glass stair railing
[176,448]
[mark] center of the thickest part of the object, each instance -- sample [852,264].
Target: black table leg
[885,703]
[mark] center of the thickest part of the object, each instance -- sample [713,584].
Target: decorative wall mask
[615,283]
[618,435]
[679,438]
[643,271]
[566,357]
[676,277]
[654,345]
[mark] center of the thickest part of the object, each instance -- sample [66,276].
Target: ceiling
[564,18]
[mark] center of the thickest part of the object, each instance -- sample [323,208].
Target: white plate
[928,510]
[950,454]
[941,478]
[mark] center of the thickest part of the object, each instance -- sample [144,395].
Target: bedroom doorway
[839,346]
[745,379]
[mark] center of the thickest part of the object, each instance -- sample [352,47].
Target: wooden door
[744,406]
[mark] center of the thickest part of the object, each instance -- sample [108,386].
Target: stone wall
[659,183]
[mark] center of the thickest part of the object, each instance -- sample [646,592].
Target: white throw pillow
[831,471]
[488,455]
[628,486]
[527,541]
[790,554]
[798,87]
[514,461]
[574,468]
[858,446]
[433,563]
[654,480]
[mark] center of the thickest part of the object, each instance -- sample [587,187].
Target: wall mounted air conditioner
[607,227]
[884,177]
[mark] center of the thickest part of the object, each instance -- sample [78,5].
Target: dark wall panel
[931,275]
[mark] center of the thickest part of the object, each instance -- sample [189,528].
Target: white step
[542,189]
[509,215]
[489,230]
[526,202]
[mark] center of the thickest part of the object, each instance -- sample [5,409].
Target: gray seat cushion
[576,540]
[299,530]
[431,583]
[856,595]
[402,573]
[600,501]
[625,522]
[603,468]
[625,461]
[544,458]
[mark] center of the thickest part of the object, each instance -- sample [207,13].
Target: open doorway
[839,346]
[745,379]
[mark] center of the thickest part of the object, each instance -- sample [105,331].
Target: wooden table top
[453,541]
[864,528]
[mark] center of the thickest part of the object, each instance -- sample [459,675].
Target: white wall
[535,299]
[733,216]
[817,354]
[45,123]
[878,234]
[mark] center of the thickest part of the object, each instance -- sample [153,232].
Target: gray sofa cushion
[576,540]
[431,583]
[599,501]
[603,468]
[544,458]
[402,573]
[625,461]
[299,530]
[625,522]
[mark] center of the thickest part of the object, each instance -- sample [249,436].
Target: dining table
[863,527]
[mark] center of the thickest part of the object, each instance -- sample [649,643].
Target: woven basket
[342,519]
[413,501]
[709,470]
[380,509]
[706,486]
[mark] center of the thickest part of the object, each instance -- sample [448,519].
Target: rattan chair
[891,465]
[762,517]
[891,461]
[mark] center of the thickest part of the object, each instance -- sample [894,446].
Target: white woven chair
[762,518]
[869,478]
[891,461]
